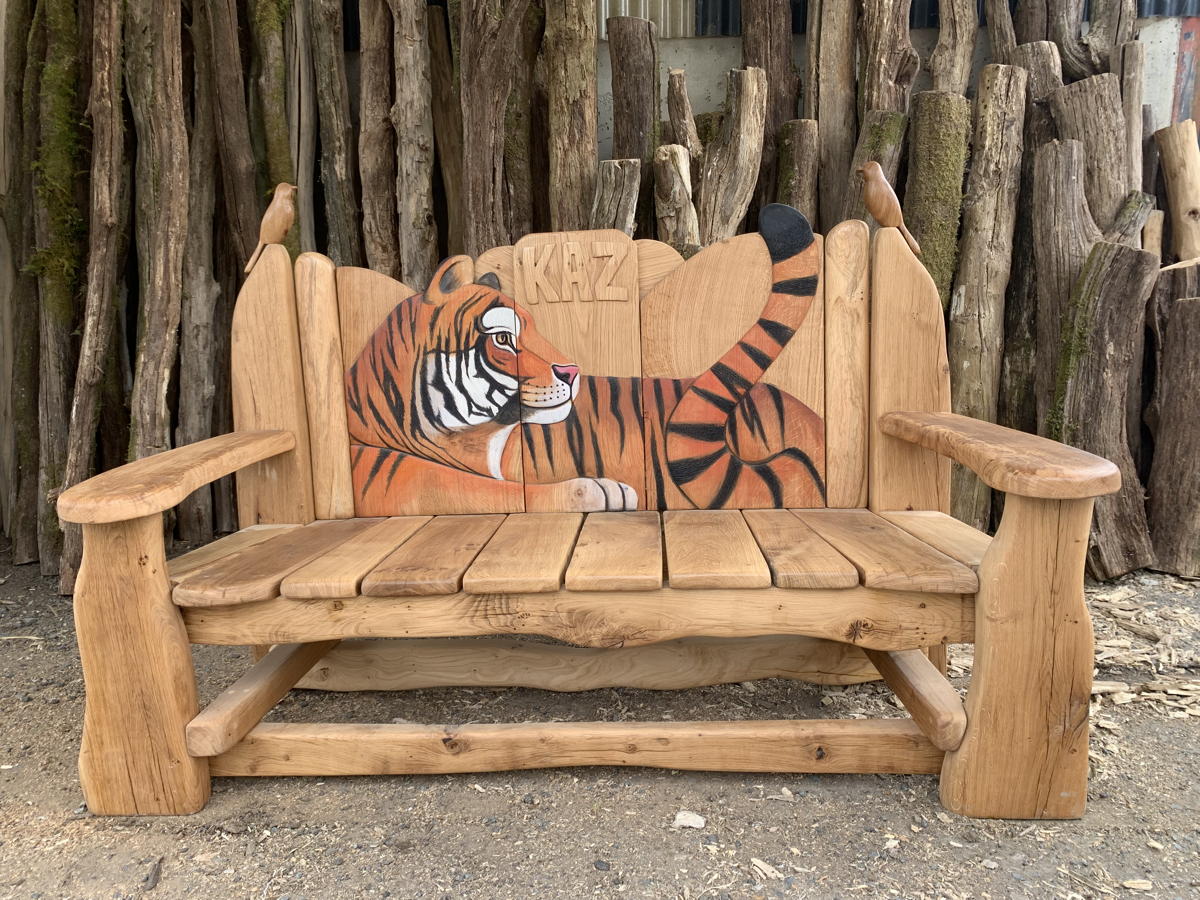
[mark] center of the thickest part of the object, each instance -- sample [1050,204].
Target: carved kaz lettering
[572,271]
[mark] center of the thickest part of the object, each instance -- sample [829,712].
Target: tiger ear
[489,279]
[449,277]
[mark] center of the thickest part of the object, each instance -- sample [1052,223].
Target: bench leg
[138,677]
[1025,753]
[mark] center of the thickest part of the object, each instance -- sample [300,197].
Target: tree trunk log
[683,124]
[412,118]
[267,27]
[1174,487]
[1179,157]
[1111,26]
[1090,111]
[1000,30]
[881,140]
[302,123]
[519,173]
[677,222]
[731,158]
[767,45]
[889,62]
[950,64]
[937,158]
[1152,233]
[618,182]
[830,96]
[1174,283]
[1129,64]
[1032,20]
[976,334]
[633,49]
[1064,23]
[1149,173]
[377,139]
[570,55]
[799,158]
[447,125]
[1126,228]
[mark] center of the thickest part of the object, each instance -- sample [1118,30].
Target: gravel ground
[609,832]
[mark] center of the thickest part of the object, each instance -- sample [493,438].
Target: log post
[976,333]
[524,100]
[683,123]
[302,131]
[767,45]
[677,222]
[1000,29]
[889,62]
[950,64]
[1149,174]
[1179,157]
[266,26]
[377,139]
[937,158]
[798,162]
[1174,487]
[569,51]
[1152,233]
[633,49]
[1129,65]
[1090,111]
[447,124]
[1174,283]
[731,158]
[882,140]
[1111,26]
[1063,27]
[830,96]
[618,182]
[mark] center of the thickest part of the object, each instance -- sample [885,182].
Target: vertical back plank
[656,261]
[909,371]
[268,392]
[365,298]
[321,355]
[847,364]
[498,260]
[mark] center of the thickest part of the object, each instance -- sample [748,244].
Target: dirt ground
[576,833]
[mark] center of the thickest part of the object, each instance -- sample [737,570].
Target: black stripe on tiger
[684,470]
[777,331]
[785,230]
[709,433]
[760,359]
[796,287]
[731,380]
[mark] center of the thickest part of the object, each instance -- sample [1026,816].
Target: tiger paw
[581,495]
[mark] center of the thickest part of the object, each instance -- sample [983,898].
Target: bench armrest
[1008,460]
[159,482]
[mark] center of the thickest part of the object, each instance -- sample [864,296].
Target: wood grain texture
[434,559]
[256,573]
[1025,752]
[186,563]
[884,620]
[909,372]
[156,483]
[1008,460]
[797,557]
[712,549]
[617,552]
[340,571]
[847,364]
[886,556]
[405,665]
[890,745]
[364,300]
[138,678]
[242,705]
[500,261]
[325,396]
[1179,155]
[268,393]
[956,539]
[656,261]
[528,553]
[929,698]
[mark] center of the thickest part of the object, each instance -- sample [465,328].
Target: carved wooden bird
[276,221]
[881,202]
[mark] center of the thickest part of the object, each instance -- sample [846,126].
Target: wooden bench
[685,473]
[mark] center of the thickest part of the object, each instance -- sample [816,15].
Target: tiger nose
[566,374]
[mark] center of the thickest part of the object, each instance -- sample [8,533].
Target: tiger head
[461,358]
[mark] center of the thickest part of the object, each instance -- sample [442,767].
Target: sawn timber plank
[797,556]
[712,549]
[528,553]
[434,559]
[617,551]
[339,572]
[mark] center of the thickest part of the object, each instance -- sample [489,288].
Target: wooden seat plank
[954,538]
[434,559]
[617,551]
[527,554]
[186,563]
[712,549]
[339,572]
[256,573]
[886,556]
[796,555]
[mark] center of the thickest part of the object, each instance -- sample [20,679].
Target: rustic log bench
[684,473]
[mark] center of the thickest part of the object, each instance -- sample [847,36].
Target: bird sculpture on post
[880,201]
[276,221]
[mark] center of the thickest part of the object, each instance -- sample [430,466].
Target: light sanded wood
[712,549]
[256,573]
[186,563]
[1008,460]
[242,705]
[1179,156]
[325,394]
[398,665]
[886,556]
[528,552]
[847,362]
[139,684]
[929,698]
[365,298]
[618,551]
[340,571]
[434,559]
[656,261]
[268,393]
[498,260]
[156,483]
[798,558]
[956,539]
[909,372]
[581,288]
[884,620]
[861,745]
[1025,752]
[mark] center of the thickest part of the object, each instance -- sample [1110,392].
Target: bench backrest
[662,347]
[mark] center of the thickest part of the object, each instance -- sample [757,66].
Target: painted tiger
[457,404]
